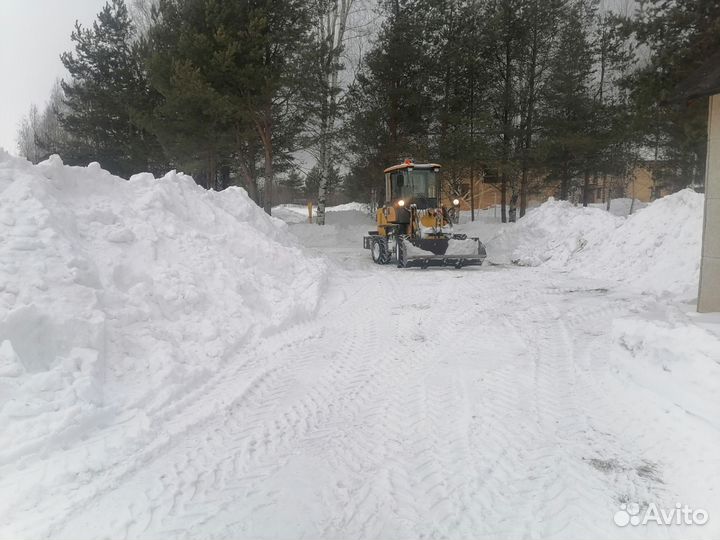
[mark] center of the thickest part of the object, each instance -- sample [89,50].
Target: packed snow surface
[176,364]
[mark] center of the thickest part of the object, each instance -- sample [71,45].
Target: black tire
[379,251]
[400,252]
[481,250]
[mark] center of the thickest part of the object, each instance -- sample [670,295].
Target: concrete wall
[709,295]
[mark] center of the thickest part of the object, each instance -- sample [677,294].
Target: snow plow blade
[456,251]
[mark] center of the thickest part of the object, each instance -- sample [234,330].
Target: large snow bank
[655,250]
[555,232]
[117,294]
[621,206]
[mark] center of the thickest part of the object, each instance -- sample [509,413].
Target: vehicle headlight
[401,203]
[456,202]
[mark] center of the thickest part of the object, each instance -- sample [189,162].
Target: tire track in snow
[182,420]
[429,421]
[528,443]
[308,411]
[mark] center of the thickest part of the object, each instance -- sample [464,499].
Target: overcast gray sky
[33,33]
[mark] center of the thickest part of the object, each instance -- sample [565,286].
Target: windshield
[413,184]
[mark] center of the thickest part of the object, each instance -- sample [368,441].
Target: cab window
[417,183]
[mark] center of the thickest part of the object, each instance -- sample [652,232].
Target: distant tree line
[527,94]
[532,93]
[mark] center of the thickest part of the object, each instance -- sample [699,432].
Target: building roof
[408,163]
[703,82]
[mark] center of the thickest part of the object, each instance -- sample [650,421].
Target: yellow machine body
[414,227]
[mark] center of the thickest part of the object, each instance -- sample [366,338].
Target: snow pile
[621,206]
[291,213]
[350,207]
[343,231]
[298,213]
[655,250]
[117,294]
[553,234]
[677,360]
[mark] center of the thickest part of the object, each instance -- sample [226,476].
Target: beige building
[640,186]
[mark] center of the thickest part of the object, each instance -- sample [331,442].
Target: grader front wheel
[400,252]
[379,251]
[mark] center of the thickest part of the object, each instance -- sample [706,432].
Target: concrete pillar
[709,293]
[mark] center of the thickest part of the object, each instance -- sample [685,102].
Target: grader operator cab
[413,226]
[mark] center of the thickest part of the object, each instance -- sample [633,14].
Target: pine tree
[507,31]
[293,181]
[568,115]
[458,75]
[391,101]
[541,18]
[229,74]
[107,82]
[680,36]
[190,118]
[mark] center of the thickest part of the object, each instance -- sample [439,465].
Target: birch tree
[331,18]
[27,134]
[40,134]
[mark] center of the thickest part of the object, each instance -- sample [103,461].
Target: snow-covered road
[479,403]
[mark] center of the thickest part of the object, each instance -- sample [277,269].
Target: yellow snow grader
[414,227]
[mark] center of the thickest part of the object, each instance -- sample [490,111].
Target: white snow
[654,250]
[176,364]
[675,359]
[119,297]
[553,234]
[622,206]
[298,213]
[349,207]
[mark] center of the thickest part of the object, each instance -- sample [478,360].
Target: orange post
[310,205]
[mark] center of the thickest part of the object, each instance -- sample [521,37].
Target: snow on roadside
[552,234]
[677,360]
[349,207]
[298,213]
[654,250]
[120,294]
[342,233]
